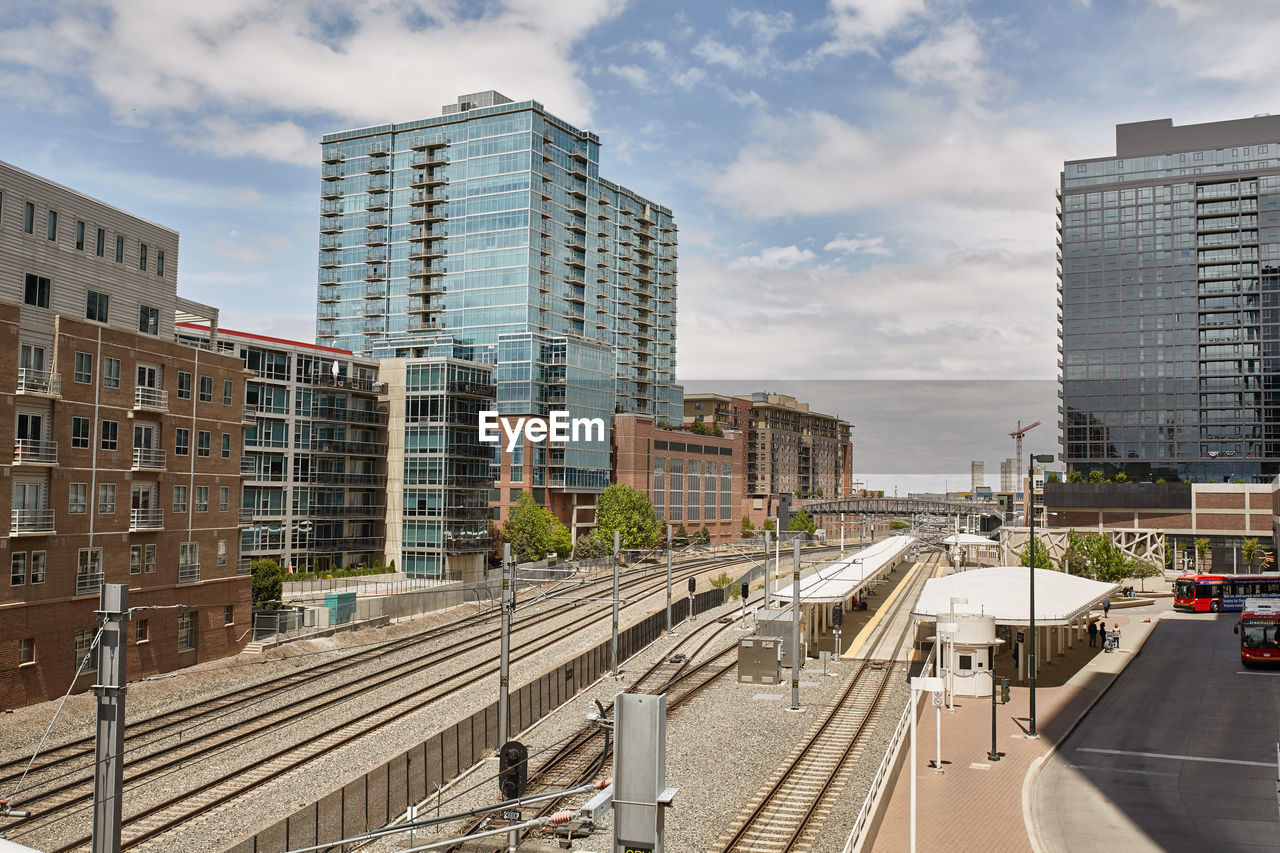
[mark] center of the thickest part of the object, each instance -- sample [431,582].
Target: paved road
[1179,754]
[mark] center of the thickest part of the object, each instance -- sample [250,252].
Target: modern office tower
[126,447]
[1170,303]
[314,453]
[439,473]
[492,219]
[977,475]
[790,449]
[1009,475]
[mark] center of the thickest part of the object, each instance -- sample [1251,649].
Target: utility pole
[768,579]
[668,578]
[108,775]
[504,678]
[795,625]
[617,548]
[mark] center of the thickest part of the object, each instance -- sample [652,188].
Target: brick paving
[976,804]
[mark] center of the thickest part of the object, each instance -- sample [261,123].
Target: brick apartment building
[127,446]
[695,480]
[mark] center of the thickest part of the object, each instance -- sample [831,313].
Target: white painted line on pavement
[1119,770]
[1251,671]
[1176,757]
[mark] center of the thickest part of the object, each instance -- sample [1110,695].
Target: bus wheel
[1214,606]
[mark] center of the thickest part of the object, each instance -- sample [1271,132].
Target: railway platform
[978,804]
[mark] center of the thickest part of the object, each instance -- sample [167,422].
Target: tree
[1202,551]
[268,584]
[1042,555]
[1120,477]
[748,529]
[1075,477]
[1095,476]
[1052,477]
[1143,569]
[1103,558]
[1249,550]
[703,536]
[680,536]
[590,546]
[803,522]
[769,526]
[630,512]
[534,532]
[1073,558]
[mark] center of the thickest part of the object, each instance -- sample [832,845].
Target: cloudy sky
[864,188]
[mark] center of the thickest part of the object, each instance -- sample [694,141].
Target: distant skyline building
[1169,303]
[977,475]
[1009,475]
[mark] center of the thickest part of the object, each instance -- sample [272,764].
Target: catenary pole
[617,548]
[504,677]
[108,776]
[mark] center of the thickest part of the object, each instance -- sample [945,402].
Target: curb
[1033,772]
[860,639]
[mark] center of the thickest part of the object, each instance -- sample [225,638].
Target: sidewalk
[976,804]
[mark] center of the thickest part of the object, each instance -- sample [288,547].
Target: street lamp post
[1031,657]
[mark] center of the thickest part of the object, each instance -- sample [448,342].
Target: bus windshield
[1183,589]
[1255,635]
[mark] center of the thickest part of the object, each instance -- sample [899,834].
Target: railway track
[71,794]
[787,815]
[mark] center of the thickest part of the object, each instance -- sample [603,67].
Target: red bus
[1212,593]
[1259,630]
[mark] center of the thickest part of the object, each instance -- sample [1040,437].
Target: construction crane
[1017,435]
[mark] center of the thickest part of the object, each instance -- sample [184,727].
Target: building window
[202,443]
[184,385]
[84,368]
[206,389]
[80,234]
[52,231]
[135,559]
[202,499]
[79,432]
[149,559]
[186,632]
[119,248]
[142,256]
[38,562]
[141,631]
[84,650]
[222,552]
[181,441]
[226,445]
[148,320]
[179,498]
[78,498]
[100,248]
[228,613]
[26,650]
[226,392]
[224,498]
[160,262]
[18,568]
[29,218]
[36,291]
[111,373]
[89,561]
[96,306]
[106,499]
[110,435]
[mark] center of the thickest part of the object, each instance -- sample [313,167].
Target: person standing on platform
[1093,635]
[1106,607]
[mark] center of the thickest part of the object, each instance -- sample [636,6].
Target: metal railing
[188,572]
[152,399]
[147,457]
[146,519]
[88,583]
[39,382]
[31,521]
[31,451]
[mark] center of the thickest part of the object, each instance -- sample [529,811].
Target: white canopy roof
[1003,592]
[841,579]
[968,539]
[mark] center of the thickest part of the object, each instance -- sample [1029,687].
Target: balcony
[31,522]
[148,459]
[374,327]
[331,192]
[331,208]
[376,237]
[331,171]
[425,325]
[244,567]
[150,400]
[430,158]
[146,519]
[245,515]
[376,220]
[248,465]
[426,251]
[248,413]
[188,572]
[419,269]
[30,451]
[88,583]
[376,202]
[375,274]
[330,242]
[374,309]
[349,415]
[375,256]
[343,478]
[41,383]
[349,447]
[357,511]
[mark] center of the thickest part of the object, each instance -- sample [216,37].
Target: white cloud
[1228,40]
[860,25]
[715,53]
[765,27]
[774,258]
[859,244]
[952,58]
[281,141]
[633,74]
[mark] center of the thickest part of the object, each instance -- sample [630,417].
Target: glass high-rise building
[1169,303]
[491,222]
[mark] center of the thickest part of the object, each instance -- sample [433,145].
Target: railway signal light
[837,616]
[746,591]
[693,585]
[513,772]
[1004,690]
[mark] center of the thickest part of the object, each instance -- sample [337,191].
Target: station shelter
[842,582]
[1063,603]
[972,550]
